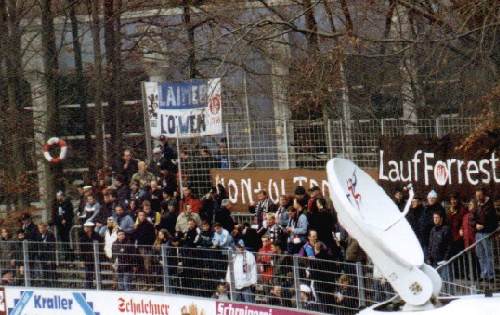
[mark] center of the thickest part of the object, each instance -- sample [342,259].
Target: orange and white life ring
[55,141]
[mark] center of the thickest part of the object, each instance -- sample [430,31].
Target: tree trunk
[186,18]
[51,70]
[15,105]
[81,93]
[93,8]
[112,44]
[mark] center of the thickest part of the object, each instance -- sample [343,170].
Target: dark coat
[128,172]
[87,246]
[144,233]
[223,216]
[439,244]
[123,253]
[486,216]
[46,247]
[168,222]
[323,222]
[63,211]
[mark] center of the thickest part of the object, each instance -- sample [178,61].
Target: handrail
[468,248]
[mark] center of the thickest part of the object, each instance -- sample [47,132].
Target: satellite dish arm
[406,208]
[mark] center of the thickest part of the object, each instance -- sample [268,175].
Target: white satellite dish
[371,217]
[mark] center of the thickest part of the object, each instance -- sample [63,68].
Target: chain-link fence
[301,144]
[263,278]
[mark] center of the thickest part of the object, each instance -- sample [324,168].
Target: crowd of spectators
[136,209]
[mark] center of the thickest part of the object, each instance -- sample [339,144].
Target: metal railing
[281,280]
[465,273]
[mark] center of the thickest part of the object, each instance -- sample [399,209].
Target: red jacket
[193,202]
[469,229]
[455,221]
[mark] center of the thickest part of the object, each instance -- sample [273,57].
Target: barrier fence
[281,280]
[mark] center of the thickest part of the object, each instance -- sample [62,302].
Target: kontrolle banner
[243,185]
[436,164]
[184,109]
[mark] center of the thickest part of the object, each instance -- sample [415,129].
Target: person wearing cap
[87,239]
[306,298]
[91,209]
[426,222]
[315,192]
[244,273]
[262,207]
[63,215]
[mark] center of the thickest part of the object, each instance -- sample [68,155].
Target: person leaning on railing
[486,223]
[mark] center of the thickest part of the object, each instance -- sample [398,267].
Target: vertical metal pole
[166,278]
[471,267]
[26,261]
[230,263]
[228,146]
[147,127]
[179,163]
[361,285]
[382,126]
[296,280]
[285,135]
[247,108]
[342,138]
[97,266]
[330,139]
[437,128]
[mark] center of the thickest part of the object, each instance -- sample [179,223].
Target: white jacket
[109,239]
[243,279]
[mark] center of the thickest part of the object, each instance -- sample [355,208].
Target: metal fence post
[382,127]
[228,146]
[166,284]
[230,263]
[285,135]
[97,266]
[26,261]
[296,280]
[329,137]
[438,133]
[342,140]
[361,285]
